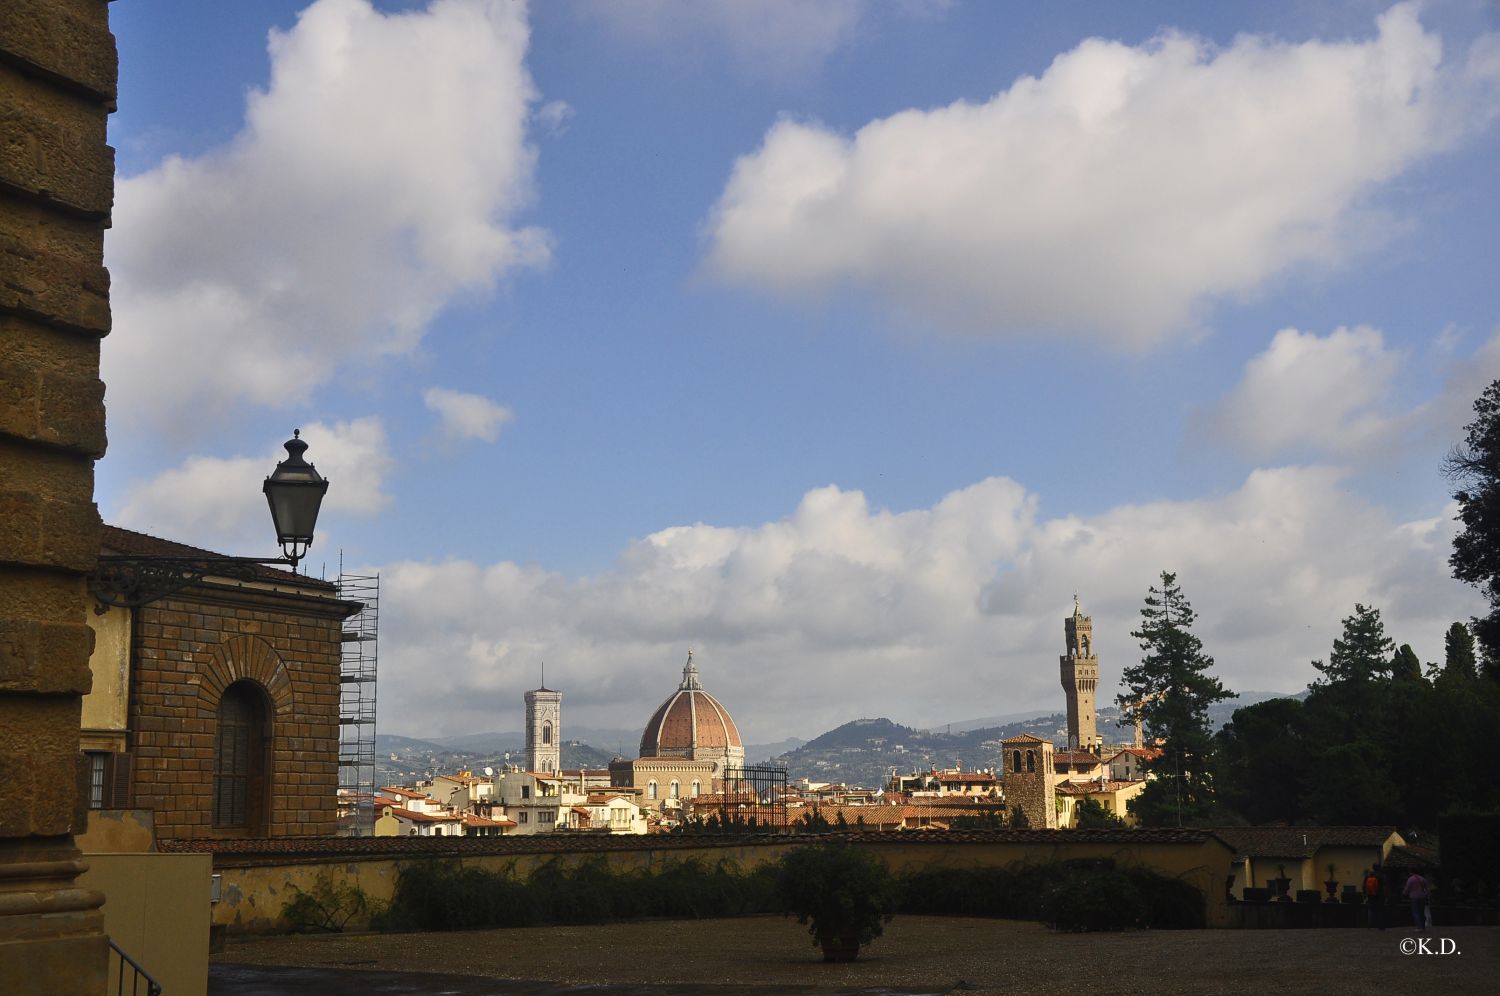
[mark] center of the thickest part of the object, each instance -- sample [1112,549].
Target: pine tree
[1174,688]
[1363,654]
[1474,466]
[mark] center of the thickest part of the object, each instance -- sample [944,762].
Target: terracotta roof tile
[128,541]
[1299,842]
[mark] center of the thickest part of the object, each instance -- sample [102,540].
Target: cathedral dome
[693,724]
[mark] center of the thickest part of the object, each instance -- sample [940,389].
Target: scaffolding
[356,802]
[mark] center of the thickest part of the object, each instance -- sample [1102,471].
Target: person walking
[1373,898]
[1418,892]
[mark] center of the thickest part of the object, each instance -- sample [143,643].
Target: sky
[842,342]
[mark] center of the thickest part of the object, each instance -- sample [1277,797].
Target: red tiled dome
[689,722]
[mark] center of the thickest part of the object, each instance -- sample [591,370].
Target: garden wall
[259,876]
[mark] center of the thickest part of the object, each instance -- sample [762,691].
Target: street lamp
[295,491]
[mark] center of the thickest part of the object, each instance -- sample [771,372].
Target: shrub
[1069,896]
[329,907]
[1087,901]
[841,892]
[445,896]
[1256,894]
[1309,896]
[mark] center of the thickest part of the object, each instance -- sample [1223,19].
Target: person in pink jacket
[1419,891]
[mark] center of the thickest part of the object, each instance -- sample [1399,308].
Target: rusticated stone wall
[57,88]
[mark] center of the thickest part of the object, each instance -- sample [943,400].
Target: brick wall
[191,647]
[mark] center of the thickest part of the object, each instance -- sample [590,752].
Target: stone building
[544,730]
[1029,780]
[689,743]
[216,707]
[57,75]
[1080,679]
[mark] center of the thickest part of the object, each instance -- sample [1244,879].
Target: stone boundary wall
[259,876]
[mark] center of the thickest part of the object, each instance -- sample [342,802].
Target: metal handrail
[153,988]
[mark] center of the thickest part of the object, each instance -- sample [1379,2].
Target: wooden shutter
[118,772]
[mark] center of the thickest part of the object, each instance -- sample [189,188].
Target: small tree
[1090,814]
[1174,690]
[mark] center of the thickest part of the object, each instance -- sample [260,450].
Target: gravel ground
[916,955]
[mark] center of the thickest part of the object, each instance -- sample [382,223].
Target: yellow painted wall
[156,909]
[118,831]
[104,706]
[253,894]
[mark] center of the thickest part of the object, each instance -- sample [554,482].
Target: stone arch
[246,657]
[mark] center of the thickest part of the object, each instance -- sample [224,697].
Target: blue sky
[841,341]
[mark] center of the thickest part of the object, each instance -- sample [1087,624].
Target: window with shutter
[240,757]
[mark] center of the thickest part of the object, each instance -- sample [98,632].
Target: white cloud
[1310,393]
[927,616]
[466,416]
[217,502]
[1110,196]
[376,177]
[767,38]
[553,117]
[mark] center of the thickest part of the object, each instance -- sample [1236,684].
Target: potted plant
[1332,885]
[844,894]
[1283,884]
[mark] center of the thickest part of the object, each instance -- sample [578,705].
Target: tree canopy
[1474,467]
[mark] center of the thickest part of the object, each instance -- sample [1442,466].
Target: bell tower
[543,729]
[1080,678]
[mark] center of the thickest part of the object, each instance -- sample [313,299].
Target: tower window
[675,789]
[1031,760]
[546,733]
[651,789]
[1015,762]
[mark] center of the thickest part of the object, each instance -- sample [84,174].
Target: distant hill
[863,751]
[498,743]
[757,753]
[407,760]
[387,743]
[862,733]
[484,743]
